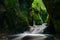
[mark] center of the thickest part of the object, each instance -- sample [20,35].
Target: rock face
[53,9]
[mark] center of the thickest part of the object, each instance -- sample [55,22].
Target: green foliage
[40,12]
[20,14]
[37,4]
[14,20]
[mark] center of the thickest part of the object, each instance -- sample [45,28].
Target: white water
[38,28]
[33,34]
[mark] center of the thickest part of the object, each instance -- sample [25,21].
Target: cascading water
[35,33]
[38,28]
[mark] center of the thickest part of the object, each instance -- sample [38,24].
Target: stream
[35,33]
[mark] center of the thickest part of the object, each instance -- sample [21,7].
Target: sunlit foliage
[40,13]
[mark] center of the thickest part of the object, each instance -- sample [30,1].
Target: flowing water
[35,33]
